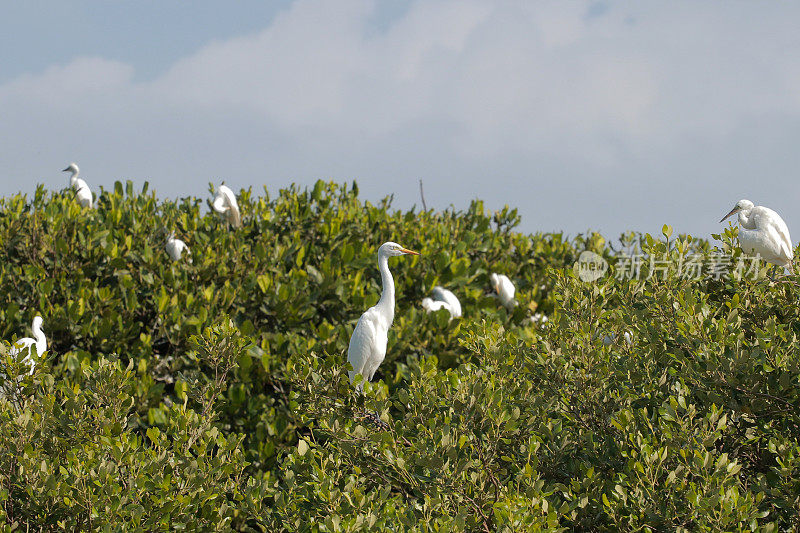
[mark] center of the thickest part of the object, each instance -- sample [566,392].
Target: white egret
[84,195]
[368,344]
[762,231]
[430,305]
[225,204]
[74,181]
[608,340]
[442,299]
[538,319]
[504,290]
[175,247]
[24,345]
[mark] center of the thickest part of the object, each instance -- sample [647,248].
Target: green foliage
[74,456]
[214,394]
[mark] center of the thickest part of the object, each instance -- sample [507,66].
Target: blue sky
[605,115]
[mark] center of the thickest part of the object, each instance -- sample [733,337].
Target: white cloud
[534,104]
[82,79]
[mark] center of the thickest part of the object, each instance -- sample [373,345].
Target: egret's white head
[171,235]
[71,168]
[741,205]
[390,249]
[494,279]
[37,322]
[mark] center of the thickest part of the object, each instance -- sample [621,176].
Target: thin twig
[422,194]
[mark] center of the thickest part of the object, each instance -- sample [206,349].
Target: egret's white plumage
[442,299]
[445,295]
[84,196]
[608,340]
[431,305]
[39,342]
[504,290]
[175,247]
[74,181]
[367,347]
[225,204]
[537,319]
[762,231]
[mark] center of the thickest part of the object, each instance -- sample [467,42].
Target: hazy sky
[604,115]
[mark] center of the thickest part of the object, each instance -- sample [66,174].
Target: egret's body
[762,231]
[444,295]
[430,305]
[367,347]
[175,247]
[538,319]
[74,181]
[442,299]
[608,340]
[84,196]
[504,290]
[25,344]
[225,204]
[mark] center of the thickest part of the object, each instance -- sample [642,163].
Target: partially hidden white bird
[608,340]
[225,204]
[74,181]
[368,343]
[536,319]
[84,196]
[24,345]
[504,290]
[442,299]
[175,247]
[762,231]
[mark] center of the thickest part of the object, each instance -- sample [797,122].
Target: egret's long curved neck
[745,220]
[386,303]
[41,340]
[219,204]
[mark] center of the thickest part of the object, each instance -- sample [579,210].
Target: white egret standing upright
[24,345]
[504,290]
[175,247]
[762,231]
[442,299]
[368,344]
[84,195]
[74,181]
[225,204]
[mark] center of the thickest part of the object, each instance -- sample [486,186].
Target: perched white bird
[74,181]
[84,196]
[225,204]
[175,247]
[368,344]
[608,340]
[24,345]
[430,305]
[504,290]
[442,299]
[537,319]
[762,231]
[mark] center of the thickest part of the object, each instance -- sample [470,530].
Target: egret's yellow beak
[733,212]
[409,252]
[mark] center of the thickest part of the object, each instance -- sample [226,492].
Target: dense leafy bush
[151,410]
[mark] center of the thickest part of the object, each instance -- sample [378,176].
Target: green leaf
[302,447]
